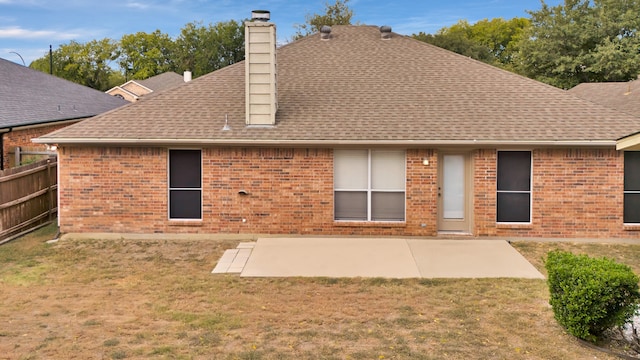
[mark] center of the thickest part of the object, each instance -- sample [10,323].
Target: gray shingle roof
[162,82]
[357,88]
[622,96]
[30,97]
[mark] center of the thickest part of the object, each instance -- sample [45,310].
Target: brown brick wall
[577,193]
[23,138]
[422,193]
[112,189]
[290,192]
[484,192]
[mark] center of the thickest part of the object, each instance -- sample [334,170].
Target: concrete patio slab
[331,257]
[470,259]
[385,257]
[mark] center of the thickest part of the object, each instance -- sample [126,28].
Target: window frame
[171,189]
[529,192]
[626,192]
[369,190]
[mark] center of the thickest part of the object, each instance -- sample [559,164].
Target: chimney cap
[260,15]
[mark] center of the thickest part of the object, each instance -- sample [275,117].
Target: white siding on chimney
[260,73]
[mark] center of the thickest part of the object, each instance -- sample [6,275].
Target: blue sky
[28,27]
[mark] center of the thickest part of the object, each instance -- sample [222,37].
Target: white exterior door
[454,193]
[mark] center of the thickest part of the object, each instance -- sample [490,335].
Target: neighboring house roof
[29,97]
[154,84]
[163,81]
[356,88]
[622,96]
[123,93]
[135,88]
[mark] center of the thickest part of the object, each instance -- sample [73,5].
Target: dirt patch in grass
[157,299]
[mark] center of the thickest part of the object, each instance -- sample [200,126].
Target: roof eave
[31,125]
[629,143]
[137,83]
[300,143]
[123,90]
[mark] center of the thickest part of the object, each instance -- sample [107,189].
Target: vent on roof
[385,32]
[226,126]
[325,32]
[261,15]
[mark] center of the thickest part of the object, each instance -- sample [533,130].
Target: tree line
[199,48]
[564,45]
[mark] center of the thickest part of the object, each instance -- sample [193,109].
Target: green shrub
[589,295]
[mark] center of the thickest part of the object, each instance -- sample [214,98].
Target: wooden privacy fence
[28,197]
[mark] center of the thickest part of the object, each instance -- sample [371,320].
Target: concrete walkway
[376,257]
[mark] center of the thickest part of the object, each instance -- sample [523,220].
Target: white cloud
[414,26]
[136,5]
[15,32]
[22,3]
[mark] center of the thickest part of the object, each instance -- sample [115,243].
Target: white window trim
[369,190]
[624,192]
[169,188]
[530,192]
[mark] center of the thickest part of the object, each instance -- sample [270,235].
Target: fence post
[49,201]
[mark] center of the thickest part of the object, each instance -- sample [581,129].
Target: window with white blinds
[369,185]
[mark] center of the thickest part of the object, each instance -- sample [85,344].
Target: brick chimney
[261,93]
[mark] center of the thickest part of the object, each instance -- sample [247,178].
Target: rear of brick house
[354,131]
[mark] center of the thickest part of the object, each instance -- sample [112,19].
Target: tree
[617,56]
[336,14]
[229,39]
[582,41]
[491,41]
[88,64]
[146,54]
[142,55]
[190,48]
[204,49]
[457,42]
[501,37]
